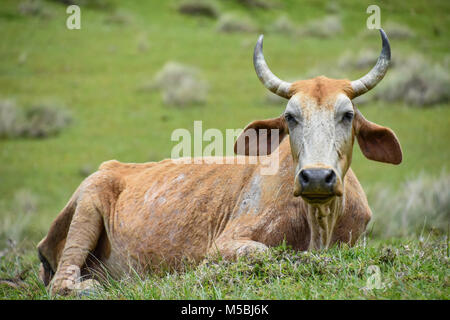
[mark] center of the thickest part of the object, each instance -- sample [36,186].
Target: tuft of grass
[94,4]
[198,8]
[231,23]
[394,30]
[421,204]
[38,121]
[9,119]
[34,8]
[416,82]
[326,27]
[181,85]
[260,4]
[362,60]
[119,17]
[44,120]
[283,25]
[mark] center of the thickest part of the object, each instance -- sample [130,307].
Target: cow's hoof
[65,282]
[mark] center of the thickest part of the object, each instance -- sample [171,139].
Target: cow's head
[322,122]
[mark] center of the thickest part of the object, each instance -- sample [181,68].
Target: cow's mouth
[317,198]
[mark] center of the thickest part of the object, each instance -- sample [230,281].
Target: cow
[129,216]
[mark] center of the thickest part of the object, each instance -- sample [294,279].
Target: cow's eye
[348,116]
[290,118]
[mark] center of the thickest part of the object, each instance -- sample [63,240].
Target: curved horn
[269,80]
[370,80]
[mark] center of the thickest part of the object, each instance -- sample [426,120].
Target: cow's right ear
[261,137]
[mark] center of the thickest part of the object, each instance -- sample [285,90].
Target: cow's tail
[50,248]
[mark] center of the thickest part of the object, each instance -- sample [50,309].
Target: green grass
[96,72]
[408,269]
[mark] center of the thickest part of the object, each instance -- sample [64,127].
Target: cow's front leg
[84,231]
[232,249]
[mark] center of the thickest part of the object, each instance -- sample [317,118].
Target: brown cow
[138,216]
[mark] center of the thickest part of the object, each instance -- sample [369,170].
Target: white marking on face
[318,134]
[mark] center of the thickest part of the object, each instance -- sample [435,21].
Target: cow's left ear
[261,137]
[376,142]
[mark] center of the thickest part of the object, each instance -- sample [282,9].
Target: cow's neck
[322,221]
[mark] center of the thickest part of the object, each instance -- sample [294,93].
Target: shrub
[198,8]
[261,4]
[43,121]
[420,204]
[393,30]
[37,122]
[181,85]
[95,4]
[283,25]
[9,117]
[119,17]
[33,8]
[398,31]
[364,59]
[230,23]
[417,82]
[322,28]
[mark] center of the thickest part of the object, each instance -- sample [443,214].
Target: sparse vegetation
[420,206]
[231,23]
[198,8]
[326,27]
[38,121]
[283,25]
[416,82]
[181,85]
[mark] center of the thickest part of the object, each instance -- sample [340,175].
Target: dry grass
[95,4]
[260,4]
[362,60]
[416,82]
[119,17]
[38,121]
[283,25]
[326,27]
[34,8]
[230,23]
[198,8]
[421,205]
[181,85]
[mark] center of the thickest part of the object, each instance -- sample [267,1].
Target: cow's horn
[370,80]
[270,81]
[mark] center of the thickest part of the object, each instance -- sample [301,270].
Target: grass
[96,72]
[408,269]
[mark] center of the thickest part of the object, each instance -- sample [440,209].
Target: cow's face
[321,138]
[322,124]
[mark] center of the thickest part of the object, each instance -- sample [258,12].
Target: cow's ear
[376,142]
[261,137]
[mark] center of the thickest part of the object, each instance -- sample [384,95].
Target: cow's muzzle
[318,185]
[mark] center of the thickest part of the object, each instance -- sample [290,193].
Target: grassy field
[96,73]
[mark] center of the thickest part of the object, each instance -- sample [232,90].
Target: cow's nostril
[304,177]
[330,177]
